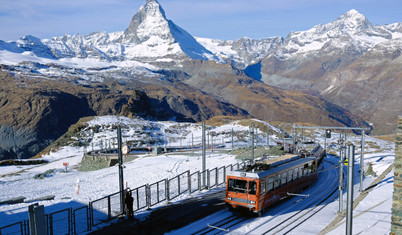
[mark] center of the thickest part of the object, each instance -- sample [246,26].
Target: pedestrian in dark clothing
[129,204]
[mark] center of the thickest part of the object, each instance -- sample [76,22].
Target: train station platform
[170,217]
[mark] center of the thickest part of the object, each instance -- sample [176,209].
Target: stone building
[396,220]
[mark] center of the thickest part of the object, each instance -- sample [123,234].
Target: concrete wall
[100,161]
[396,220]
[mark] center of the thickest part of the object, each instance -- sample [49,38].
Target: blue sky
[223,19]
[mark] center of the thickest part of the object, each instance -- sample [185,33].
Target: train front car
[257,187]
[242,190]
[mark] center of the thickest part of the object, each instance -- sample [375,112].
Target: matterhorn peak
[150,30]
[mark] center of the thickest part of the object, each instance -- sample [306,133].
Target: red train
[263,184]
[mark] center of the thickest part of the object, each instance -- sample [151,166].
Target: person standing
[129,203]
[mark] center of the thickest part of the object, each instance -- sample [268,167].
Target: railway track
[286,225]
[222,225]
[294,220]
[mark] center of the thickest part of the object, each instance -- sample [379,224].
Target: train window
[252,187]
[283,180]
[300,172]
[263,186]
[277,180]
[238,186]
[270,185]
[310,167]
[290,175]
[295,173]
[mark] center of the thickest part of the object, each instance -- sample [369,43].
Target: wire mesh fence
[60,222]
[195,182]
[83,219]
[81,222]
[158,192]
[140,198]
[21,227]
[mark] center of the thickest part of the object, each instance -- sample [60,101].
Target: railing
[83,219]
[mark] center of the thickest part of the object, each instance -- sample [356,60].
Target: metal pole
[362,163]
[203,156]
[302,134]
[283,138]
[268,136]
[256,136]
[121,184]
[252,143]
[232,138]
[208,146]
[212,142]
[340,177]
[294,138]
[349,208]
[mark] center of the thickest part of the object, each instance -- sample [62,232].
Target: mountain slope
[324,61]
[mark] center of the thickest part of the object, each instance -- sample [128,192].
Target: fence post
[70,221]
[209,179]
[189,182]
[148,196]
[91,215]
[109,208]
[89,226]
[74,223]
[157,192]
[216,176]
[199,181]
[50,218]
[167,191]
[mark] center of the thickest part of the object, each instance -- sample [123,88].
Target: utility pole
[268,136]
[341,148]
[362,163]
[252,143]
[349,208]
[232,138]
[121,181]
[203,156]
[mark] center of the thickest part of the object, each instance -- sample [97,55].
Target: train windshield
[240,186]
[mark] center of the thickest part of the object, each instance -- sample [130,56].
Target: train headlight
[252,202]
[229,198]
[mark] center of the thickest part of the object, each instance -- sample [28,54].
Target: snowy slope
[18,180]
[100,133]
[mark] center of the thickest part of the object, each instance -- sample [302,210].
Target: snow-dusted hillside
[100,133]
[20,180]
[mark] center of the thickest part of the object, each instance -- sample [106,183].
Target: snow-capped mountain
[351,31]
[243,51]
[150,37]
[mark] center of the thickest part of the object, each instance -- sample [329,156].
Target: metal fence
[83,219]
[59,222]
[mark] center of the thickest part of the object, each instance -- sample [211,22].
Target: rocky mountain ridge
[157,70]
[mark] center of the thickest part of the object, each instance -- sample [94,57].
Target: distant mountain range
[332,74]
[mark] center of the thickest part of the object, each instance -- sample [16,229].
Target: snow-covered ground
[373,214]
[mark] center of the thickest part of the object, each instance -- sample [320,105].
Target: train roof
[271,171]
